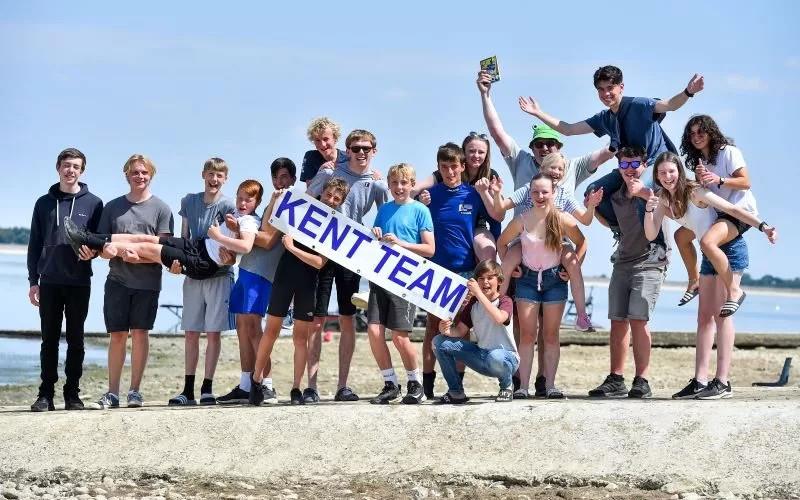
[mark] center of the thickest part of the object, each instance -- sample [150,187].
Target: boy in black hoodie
[59,280]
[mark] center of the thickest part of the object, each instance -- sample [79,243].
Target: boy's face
[283,179]
[451,172]
[610,94]
[138,176]
[631,168]
[489,283]
[400,186]
[360,153]
[214,180]
[332,197]
[245,203]
[69,171]
[325,143]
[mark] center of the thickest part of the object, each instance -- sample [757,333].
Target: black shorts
[192,255]
[128,308]
[389,310]
[294,280]
[347,283]
[740,225]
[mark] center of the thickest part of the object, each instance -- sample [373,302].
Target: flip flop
[731,306]
[182,400]
[688,296]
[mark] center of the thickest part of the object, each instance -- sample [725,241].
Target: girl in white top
[695,208]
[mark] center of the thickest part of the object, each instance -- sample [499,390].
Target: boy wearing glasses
[636,280]
[365,192]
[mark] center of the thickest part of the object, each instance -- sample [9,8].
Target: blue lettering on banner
[447,296]
[423,282]
[388,252]
[308,218]
[361,239]
[288,206]
[399,269]
[332,231]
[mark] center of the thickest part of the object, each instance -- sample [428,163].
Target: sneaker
[208,399]
[256,396]
[414,393]
[310,396]
[716,390]
[612,387]
[504,396]
[73,402]
[296,397]
[447,399]
[236,397]
[690,391]
[108,400]
[360,300]
[390,392]
[182,400]
[135,399]
[345,394]
[270,395]
[428,380]
[540,391]
[640,389]
[43,403]
[521,394]
[555,393]
[583,323]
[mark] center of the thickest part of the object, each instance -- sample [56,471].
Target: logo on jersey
[465,208]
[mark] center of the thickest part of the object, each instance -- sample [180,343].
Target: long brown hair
[554,234]
[679,202]
[485,169]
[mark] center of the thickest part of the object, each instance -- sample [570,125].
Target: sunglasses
[629,164]
[479,136]
[358,149]
[549,143]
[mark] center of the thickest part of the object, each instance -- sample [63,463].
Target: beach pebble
[611,486]
[419,492]
[10,493]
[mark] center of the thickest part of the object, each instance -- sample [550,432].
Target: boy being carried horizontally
[406,223]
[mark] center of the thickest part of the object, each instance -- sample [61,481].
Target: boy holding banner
[406,223]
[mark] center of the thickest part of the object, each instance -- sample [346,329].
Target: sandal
[447,399]
[731,306]
[688,295]
[182,400]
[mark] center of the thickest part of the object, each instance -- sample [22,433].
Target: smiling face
[543,147]
[541,192]
[69,172]
[360,153]
[332,197]
[554,167]
[451,172]
[325,142]
[214,181]
[400,187]
[475,151]
[610,94]
[489,283]
[139,176]
[629,169]
[699,138]
[668,175]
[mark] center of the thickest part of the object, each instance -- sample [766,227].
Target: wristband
[649,211]
[761,226]
[721,182]
[688,94]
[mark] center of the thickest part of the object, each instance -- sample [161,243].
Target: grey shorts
[632,292]
[205,304]
[389,310]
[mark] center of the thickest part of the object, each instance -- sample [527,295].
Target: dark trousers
[55,303]
[611,182]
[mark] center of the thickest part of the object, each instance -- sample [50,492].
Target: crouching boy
[488,314]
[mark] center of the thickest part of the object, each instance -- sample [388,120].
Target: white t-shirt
[729,160]
[247,224]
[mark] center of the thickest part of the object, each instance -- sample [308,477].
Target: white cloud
[745,83]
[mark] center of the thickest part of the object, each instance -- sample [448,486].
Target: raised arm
[498,315]
[586,215]
[598,157]
[496,205]
[530,106]
[694,86]
[493,123]
[654,212]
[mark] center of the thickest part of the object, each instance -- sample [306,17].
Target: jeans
[500,363]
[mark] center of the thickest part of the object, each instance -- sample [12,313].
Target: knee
[497,362]
[441,344]
[707,244]
[399,340]
[683,236]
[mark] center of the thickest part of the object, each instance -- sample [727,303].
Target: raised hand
[496,185]
[772,234]
[652,203]
[473,287]
[484,82]
[482,185]
[594,198]
[696,84]
[529,105]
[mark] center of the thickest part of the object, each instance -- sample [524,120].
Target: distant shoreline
[13,249]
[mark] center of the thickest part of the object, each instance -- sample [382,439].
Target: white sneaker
[135,399]
[360,300]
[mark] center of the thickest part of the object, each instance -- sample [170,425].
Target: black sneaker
[716,390]
[612,387]
[296,397]
[72,402]
[310,396]
[428,380]
[345,394]
[504,396]
[236,397]
[77,236]
[414,393]
[690,391]
[540,391]
[43,403]
[390,392]
[640,389]
[256,396]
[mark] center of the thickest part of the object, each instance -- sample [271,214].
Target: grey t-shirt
[120,216]
[364,190]
[263,262]
[201,216]
[635,250]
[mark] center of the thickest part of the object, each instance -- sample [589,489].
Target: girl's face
[668,175]
[476,154]
[541,192]
[698,137]
[555,171]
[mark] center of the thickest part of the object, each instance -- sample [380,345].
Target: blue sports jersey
[455,212]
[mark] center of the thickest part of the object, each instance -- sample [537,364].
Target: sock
[244,381]
[206,387]
[702,382]
[188,386]
[428,380]
[413,375]
[389,376]
[267,382]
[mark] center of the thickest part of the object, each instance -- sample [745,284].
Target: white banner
[350,244]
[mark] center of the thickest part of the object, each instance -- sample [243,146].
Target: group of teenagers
[517,277]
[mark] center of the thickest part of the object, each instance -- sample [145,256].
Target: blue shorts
[738,257]
[250,294]
[551,290]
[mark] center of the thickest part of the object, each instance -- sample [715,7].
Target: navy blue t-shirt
[313,159]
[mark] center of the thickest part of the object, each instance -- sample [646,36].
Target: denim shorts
[738,258]
[551,290]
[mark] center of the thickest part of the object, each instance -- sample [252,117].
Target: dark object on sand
[782,380]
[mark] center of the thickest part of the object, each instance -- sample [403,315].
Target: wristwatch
[721,182]
[761,226]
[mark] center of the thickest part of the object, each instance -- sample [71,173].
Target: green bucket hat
[545,132]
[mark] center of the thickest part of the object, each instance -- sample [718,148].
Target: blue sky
[183,81]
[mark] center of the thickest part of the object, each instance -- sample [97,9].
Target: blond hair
[148,163]
[215,165]
[551,160]
[401,171]
[318,126]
